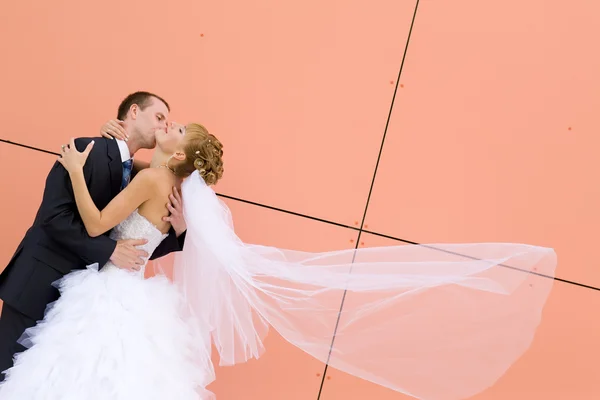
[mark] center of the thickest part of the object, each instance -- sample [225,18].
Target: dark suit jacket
[57,242]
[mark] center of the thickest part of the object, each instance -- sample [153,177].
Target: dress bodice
[135,226]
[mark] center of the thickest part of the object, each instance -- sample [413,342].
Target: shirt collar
[124,150]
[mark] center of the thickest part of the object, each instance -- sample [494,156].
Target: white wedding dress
[113,335]
[435,322]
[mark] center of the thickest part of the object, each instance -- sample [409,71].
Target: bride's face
[169,140]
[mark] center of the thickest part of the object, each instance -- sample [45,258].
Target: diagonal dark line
[387,123]
[28,147]
[382,235]
[354,228]
[475,258]
[222,195]
[297,214]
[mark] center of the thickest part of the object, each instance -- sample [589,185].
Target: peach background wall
[492,136]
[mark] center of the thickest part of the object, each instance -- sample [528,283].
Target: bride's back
[155,208]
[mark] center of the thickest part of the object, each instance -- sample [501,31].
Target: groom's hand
[175,207]
[127,255]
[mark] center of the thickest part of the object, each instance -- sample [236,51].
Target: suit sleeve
[170,244]
[61,219]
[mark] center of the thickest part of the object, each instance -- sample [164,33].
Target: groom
[57,242]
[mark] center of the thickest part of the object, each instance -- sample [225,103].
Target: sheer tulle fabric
[441,321]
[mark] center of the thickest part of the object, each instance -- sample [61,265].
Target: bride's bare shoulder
[160,178]
[154,177]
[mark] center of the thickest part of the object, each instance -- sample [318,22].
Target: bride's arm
[97,222]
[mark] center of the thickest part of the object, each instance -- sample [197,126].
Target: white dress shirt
[124,150]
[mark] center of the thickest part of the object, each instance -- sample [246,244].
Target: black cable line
[397,239]
[370,191]
[28,147]
[350,227]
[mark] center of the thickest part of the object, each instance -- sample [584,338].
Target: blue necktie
[127,165]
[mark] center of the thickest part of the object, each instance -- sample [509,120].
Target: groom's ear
[134,110]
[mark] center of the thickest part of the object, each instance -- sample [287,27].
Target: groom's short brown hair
[142,99]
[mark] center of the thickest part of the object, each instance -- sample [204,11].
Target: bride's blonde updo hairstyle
[203,152]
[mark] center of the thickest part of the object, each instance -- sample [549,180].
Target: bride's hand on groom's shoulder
[114,129]
[72,159]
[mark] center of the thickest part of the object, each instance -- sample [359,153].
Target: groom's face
[148,121]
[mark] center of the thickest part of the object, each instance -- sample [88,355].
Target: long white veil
[442,321]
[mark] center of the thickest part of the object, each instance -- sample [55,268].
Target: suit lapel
[115,166]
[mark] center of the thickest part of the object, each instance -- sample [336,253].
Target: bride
[439,322]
